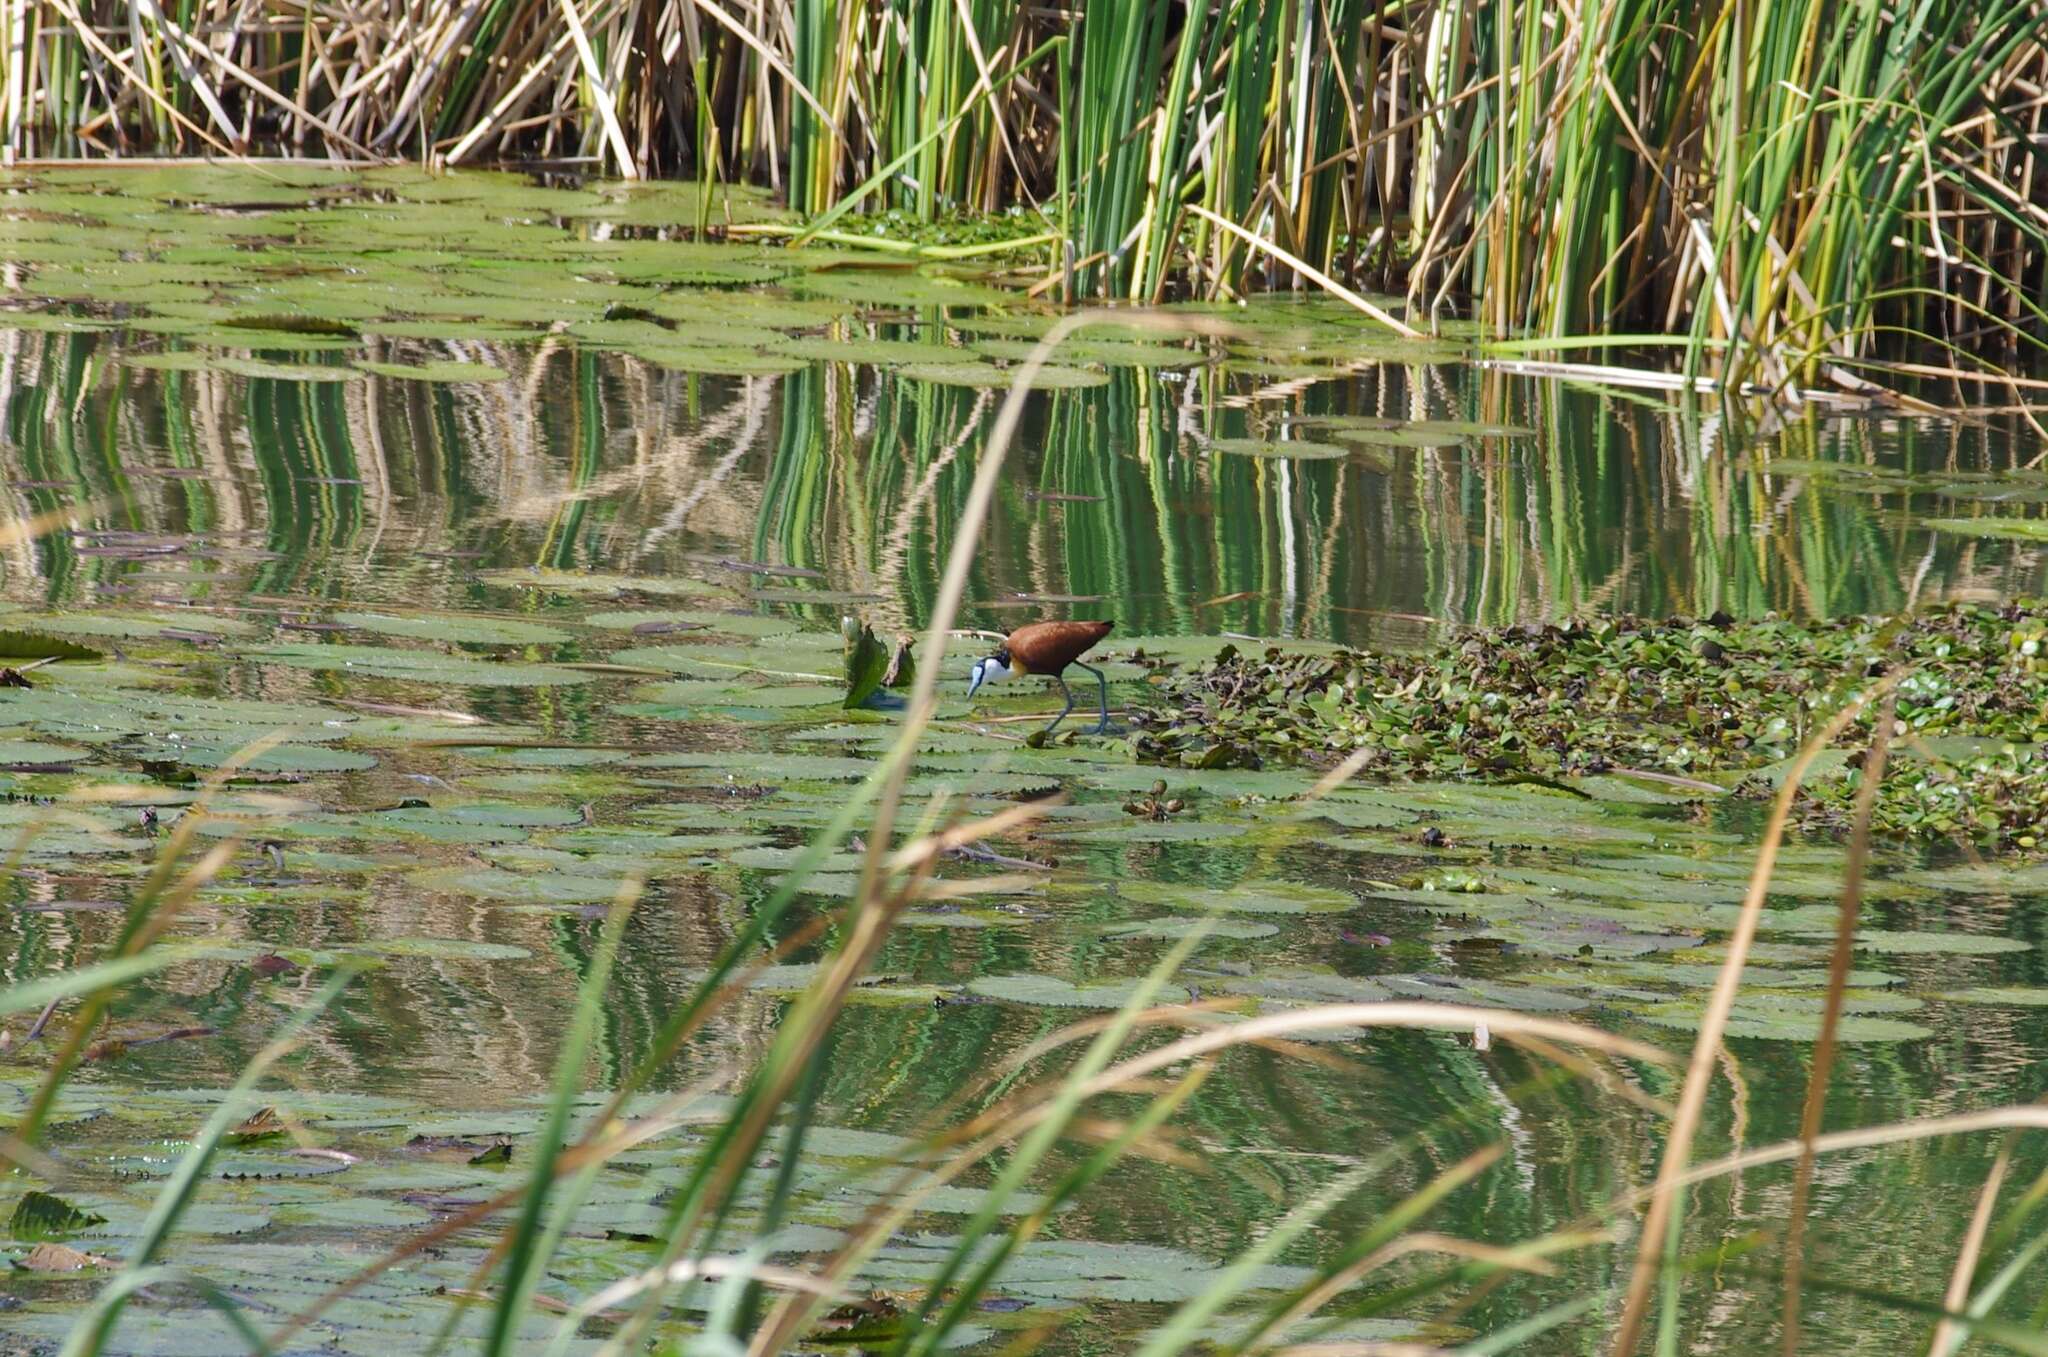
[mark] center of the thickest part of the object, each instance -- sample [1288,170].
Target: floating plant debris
[1717,703]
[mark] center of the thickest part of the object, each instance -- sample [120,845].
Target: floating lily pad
[458,628]
[726,623]
[445,370]
[2019,529]
[1299,450]
[572,582]
[865,350]
[968,372]
[1764,1024]
[528,887]
[419,666]
[142,626]
[1925,944]
[1171,926]
[1130,831]
[1249,897]
[2004,996]
[264,370]
[1050,992]
[441,949]
[290,757]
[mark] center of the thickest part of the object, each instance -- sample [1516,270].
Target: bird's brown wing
[1048,647]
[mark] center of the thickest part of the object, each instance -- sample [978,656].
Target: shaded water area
[566,612]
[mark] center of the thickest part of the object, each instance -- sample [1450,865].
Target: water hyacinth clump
[1718,702]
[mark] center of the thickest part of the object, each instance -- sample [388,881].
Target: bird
[1047,648]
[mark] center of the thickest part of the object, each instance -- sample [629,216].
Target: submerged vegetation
[1785,188]
[1681,700]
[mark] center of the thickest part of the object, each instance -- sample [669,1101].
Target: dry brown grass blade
[2022,1117]
[1337,1283]
[1323,1017]
[1527,1258]
[1714,1022]
[1839,962]
[1947,1337]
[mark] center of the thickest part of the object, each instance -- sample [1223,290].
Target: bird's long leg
[1102,687]
[1061,679]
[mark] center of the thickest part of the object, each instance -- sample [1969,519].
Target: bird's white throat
[987,670]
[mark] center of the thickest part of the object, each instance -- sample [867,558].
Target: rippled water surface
[532,535]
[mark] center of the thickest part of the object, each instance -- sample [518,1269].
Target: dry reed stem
[1947,1337]
[1839,962]
[1714,1022]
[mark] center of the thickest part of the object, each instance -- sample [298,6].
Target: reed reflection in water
[1117,504]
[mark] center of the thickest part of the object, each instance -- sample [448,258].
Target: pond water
[532,534]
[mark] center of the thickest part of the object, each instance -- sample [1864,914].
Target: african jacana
[1047,648]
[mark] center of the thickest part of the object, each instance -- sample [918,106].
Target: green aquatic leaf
[860,349]
[874,987]
[39,1215]
[531,887]
[13,752]
[1764,1024]
[1303,986]
[867,662]
[720,622]
[900,287]
[29,645]
[1130,830]
[289,757]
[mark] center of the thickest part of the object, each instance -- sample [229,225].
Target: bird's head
[989,669]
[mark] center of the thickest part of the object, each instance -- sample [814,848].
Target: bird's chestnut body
[1046,649]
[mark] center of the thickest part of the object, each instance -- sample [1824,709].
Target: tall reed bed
[1784,188]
